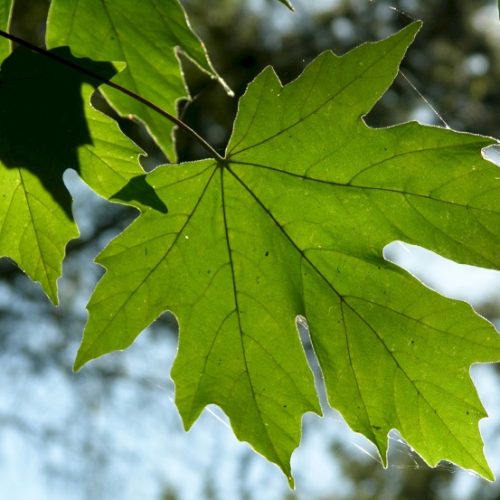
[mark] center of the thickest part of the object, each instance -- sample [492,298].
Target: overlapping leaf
[48,125]
[146,36]
[294,221]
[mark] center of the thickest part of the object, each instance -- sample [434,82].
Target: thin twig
[51,55]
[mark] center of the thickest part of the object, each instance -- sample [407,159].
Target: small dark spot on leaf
[267,254]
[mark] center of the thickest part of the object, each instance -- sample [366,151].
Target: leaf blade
[206,311]
[308,197]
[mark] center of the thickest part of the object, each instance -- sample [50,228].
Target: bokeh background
[112,430]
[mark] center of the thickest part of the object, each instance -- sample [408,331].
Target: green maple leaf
[54,128]
[147,36]
[293,222]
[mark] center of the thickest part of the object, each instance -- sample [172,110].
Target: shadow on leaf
[43,114]
[138,189]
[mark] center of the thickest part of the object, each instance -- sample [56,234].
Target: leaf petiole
[183,126]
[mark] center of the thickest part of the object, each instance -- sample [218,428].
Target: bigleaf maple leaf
[293,221]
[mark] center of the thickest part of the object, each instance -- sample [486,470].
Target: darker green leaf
[41,102]
[49,126]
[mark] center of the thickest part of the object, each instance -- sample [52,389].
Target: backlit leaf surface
[294,222]
[147,36]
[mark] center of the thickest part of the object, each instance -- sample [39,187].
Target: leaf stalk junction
[170,117]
